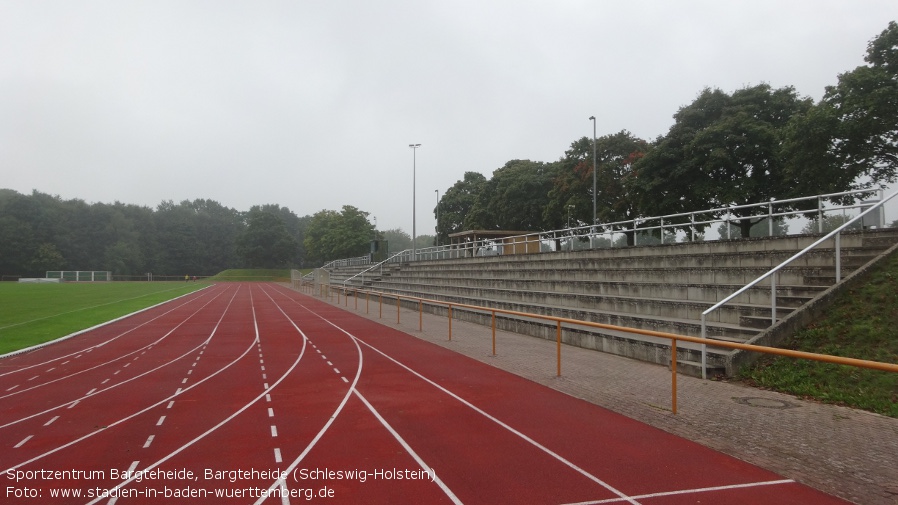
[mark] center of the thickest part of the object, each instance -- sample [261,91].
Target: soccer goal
[80,275]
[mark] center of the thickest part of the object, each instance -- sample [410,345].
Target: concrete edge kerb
[72,335]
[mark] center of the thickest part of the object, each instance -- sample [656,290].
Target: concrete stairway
[662,288]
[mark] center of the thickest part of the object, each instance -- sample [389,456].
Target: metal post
[414,161]
[838,239]
[593,118]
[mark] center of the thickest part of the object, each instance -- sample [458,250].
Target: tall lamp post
[438,217]
[414,152]
[593,118]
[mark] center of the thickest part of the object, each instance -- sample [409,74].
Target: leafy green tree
[722,151]
[334,235]
[265,243]
[456,204]
[397,240]
[849,140]
[615,158]
[514,198]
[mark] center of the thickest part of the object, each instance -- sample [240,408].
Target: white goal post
[80,275]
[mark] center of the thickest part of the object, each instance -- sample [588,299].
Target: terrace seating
[663,288]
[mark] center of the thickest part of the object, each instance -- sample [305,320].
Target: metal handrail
[836,234]
[372,267]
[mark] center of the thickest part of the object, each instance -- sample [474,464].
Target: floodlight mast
[414,151]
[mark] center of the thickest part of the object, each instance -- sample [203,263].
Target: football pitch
[31,314]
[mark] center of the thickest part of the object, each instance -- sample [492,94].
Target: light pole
[438,217]
[593,118]
[414,151]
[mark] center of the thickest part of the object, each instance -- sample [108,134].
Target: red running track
[253,393]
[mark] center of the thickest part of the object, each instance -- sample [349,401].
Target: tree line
[748,146]
[724,149]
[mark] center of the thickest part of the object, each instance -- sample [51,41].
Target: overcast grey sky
[312,104]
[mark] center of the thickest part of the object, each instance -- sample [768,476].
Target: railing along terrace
[771,274]
[418,304]
[604,234]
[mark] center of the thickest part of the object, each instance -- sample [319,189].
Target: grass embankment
[32,314]
[253,274]
[863,324]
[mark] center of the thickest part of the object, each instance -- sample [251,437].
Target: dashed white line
[277,456]
[160,421]
[337,370]
[10,389]
[48,423]
[20,444]
[270,412]
[91,392]
[149,441]
[170,404]
[274,430]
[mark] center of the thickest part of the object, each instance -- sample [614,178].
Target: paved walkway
[849,453]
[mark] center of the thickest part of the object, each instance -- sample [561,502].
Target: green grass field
[31,314]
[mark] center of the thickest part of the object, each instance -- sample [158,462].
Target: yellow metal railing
[328,291]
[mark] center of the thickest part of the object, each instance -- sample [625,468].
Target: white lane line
[170,404]
[130,470]
[149,441]
[184,381]
[274,431]
[268,397]
[480,411]
[330,364]
[264,376]
[160,421]
[688,491]
[20,444]
[337,370]
[118,384]
[48,423]
[519,434]
[229,418]
[35,377]
[424,466]
[90,392]
[280,482]
[116,372]
[270,412]
[10,389]
[264,385]
[142,411]
[104,382]
[277,456]
[344,379]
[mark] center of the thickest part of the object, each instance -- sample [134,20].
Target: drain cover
[766,403]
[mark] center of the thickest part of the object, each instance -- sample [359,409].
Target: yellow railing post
[558,346]
[494,331]
[673,374]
